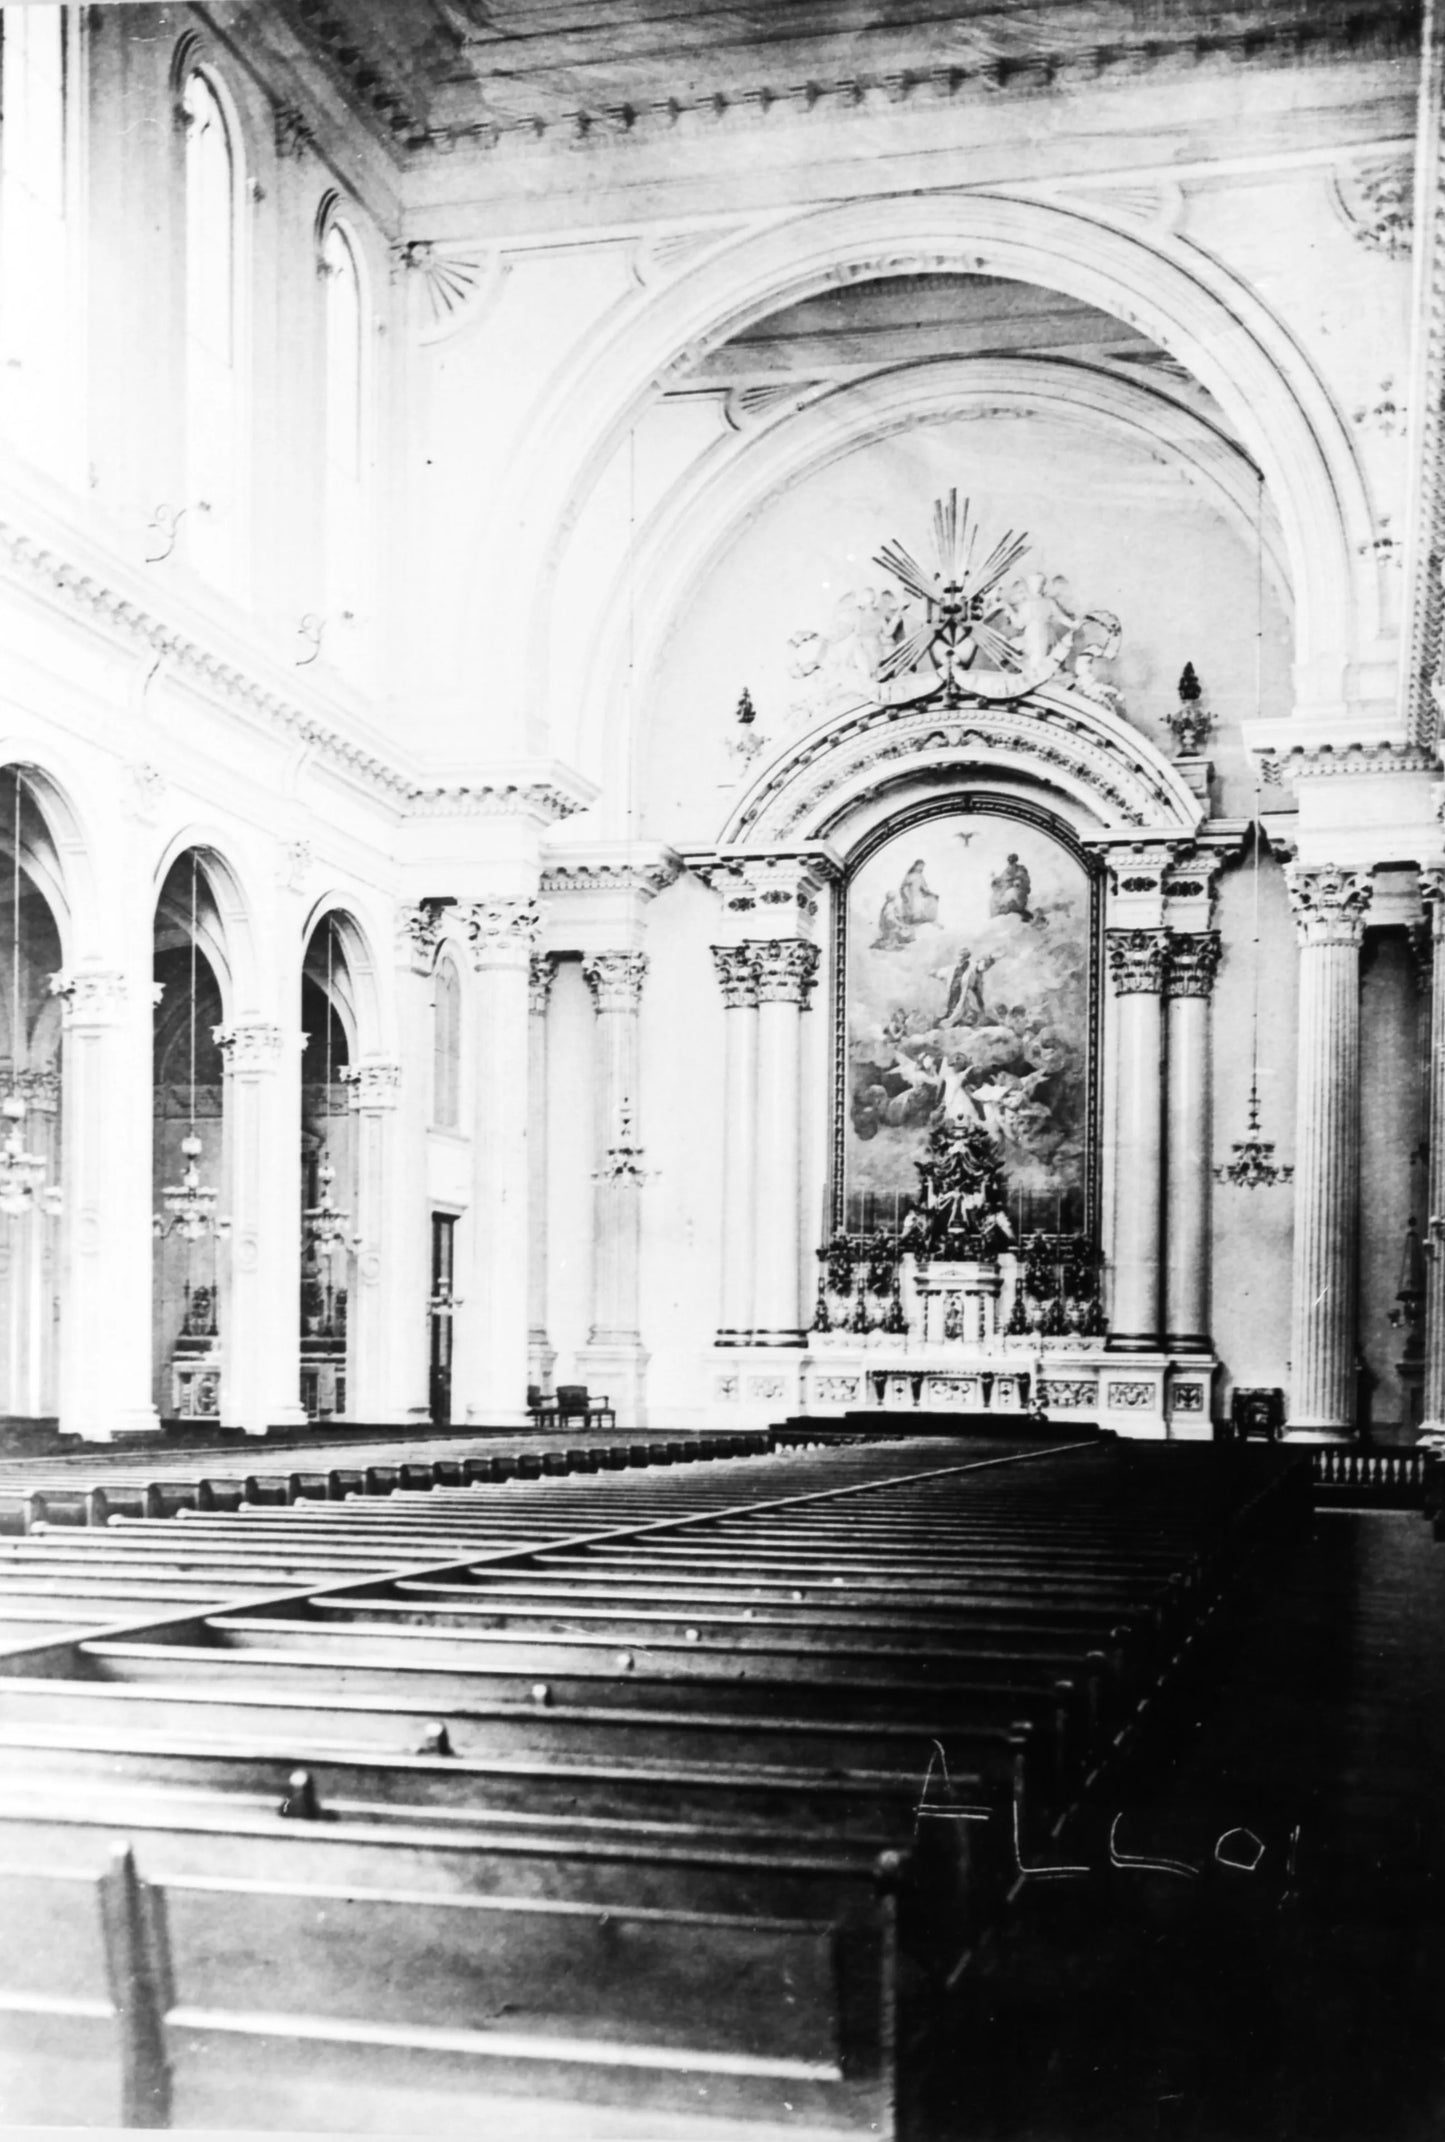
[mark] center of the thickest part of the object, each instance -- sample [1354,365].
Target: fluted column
[105,1354]
[787,968]
[374,1093]
[260,1314]
[737,973]
[1432,1426]
[491,1322]
[1137,965]
[1193,963]
[541,1355]
[1330,906]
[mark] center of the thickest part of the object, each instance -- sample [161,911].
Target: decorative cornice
[1194,957]
[541,800]
[737,973]
[1322,762]
[568,877]
[252,1044]
[92,996]
[1330,904]
[979,67]
[541,974]
[375,1083]
[1138,961]
[502,932]
[615,979]
[787,968]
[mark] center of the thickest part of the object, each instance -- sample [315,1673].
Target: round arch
[737,479]
[229,942]
[1214,324]
[357,987]
[61,863]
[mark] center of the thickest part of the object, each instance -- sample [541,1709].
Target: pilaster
[1432,1426]
[541,1355]
[1138,963]
[737,974]
[614,1345]
[381,1192]
[1193,963]
[786,970]
[260,1339]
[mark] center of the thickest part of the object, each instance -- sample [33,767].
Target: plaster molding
[419,933]
[454,282]
[1194,957]
[544,798]
[541,974]
[737,973]
[502,931]
[252,1045]
[294,860]
[1054,736]
[589,872]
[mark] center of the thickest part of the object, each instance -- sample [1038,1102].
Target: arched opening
[188,1083]
[328,1169]
[346,432]
[31,1086]
[215,328]
[447,1045]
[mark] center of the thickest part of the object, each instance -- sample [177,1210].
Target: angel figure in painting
[917,903]
[964,1006]
[1009,891]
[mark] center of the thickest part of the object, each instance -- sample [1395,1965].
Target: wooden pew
[315,2005]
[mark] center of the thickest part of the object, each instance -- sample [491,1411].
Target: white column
[1137,961]
[541,1355]
[737,973]
[490,1369]
[613,1359]
[1432,1426]
[374,1092]
[787,968]
[1330,906]
[1193,963]
[261,1196]
[405,1281]
[105,1364]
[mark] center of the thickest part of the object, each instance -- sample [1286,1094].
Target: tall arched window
[36,341]
[213,331]
[447,1048]
[346,435]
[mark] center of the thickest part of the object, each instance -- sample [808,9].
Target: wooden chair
[541,1410]
[575,1403]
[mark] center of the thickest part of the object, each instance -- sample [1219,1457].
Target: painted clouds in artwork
[968,999]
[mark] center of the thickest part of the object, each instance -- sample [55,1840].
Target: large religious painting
[967,1002]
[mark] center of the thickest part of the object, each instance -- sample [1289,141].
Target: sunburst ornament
[975,640]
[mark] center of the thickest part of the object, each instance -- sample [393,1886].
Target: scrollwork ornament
[787,968]
[1330,904]
[615,980]
[502,931]
[737,973]
[419,934]
[1194,958]
[1138,961]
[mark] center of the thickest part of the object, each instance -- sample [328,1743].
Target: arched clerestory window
[37,338]
[447,1048]
[215,336]
[347,438]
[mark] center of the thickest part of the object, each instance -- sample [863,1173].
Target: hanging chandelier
[190,1205]
[22,1174]
[1254,1166]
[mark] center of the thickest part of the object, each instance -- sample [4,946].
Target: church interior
[722,1056]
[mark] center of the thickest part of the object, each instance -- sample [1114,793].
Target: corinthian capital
[541,974]
[251,1044]
[419,933]
[374,1083]
[92,996]
[737,973]
[1330,904]
[615,979]
[1193,962]
[503,932]
[1138,960]
[787,968]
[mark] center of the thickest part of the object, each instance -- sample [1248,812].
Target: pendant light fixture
[1254,1166]
[190,1203]
[22,1174]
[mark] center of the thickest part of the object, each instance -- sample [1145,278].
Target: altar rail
[1390,1479]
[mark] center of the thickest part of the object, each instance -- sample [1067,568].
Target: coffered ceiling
[429,72]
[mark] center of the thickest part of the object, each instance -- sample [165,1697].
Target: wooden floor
[1251,2006]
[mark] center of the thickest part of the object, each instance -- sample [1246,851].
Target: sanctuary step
[882,1422]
